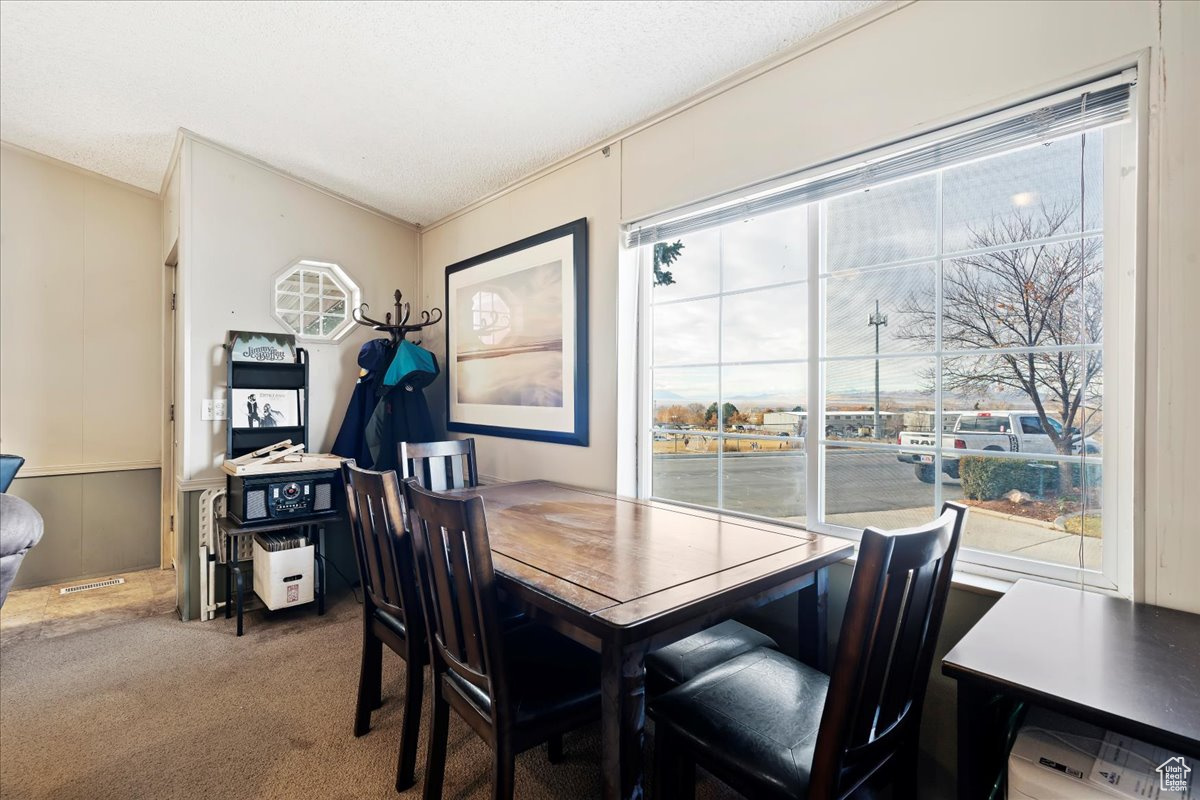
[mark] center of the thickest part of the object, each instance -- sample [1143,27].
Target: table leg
[623,720]
[237,571]
[982,741]
[814,621]
[230,542]
[321,575]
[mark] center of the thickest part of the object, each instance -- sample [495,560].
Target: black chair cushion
[680,662]
[755,716]
[548,675]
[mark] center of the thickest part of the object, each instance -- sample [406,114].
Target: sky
[753,323]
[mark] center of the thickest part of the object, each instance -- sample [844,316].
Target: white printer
[1059,758]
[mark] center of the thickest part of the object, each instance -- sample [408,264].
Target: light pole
[877,321]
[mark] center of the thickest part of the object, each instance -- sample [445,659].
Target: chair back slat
[878,655]
[886,647]
[439,466]
[910,638]
[455,563]
[382,546]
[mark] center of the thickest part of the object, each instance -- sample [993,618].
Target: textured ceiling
[414,108]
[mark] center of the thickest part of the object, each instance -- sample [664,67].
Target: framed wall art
[516,339]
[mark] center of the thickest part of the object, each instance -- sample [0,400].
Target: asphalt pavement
[773,484]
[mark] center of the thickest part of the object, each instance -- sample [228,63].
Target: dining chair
[392,610]
[679,662]
[771,726]
[515,688]
[439,466]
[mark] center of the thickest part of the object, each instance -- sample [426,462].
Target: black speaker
[290,496]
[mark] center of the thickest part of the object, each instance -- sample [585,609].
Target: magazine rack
[266,375]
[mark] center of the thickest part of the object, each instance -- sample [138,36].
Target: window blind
[1095,105]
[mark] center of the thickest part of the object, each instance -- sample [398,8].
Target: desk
[624,577]
[1128,667]
[235,582]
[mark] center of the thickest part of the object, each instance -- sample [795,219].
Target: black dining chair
[439,466]
[516,688]
[392,611]
[679,662]
[772,727]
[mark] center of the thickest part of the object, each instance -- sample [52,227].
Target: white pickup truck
[1010,431]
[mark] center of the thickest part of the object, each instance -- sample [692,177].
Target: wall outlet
[214,410]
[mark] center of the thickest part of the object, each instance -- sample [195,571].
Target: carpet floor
[156,708]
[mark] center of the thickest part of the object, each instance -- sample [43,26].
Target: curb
[1050,526]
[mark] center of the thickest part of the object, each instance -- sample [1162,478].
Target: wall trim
[200,484]
[87,469]
[744,75]
[184,133]
[78,170]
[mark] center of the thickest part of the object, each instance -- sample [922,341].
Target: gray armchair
[20,526]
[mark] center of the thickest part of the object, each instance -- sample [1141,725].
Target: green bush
[988,478]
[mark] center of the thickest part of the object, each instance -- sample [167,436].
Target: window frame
[1122,231]
[328,270]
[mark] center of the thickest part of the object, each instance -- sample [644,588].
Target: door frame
[170,514]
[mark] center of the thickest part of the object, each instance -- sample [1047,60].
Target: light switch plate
[213,410]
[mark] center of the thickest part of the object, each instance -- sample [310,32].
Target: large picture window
[845,352]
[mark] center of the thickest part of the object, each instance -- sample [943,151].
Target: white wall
[909,71]
[80,310]
[242,223]
[588,188]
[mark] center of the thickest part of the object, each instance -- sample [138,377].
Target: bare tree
[1012,295]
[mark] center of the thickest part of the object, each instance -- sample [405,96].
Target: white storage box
[284,577]
[1058,758]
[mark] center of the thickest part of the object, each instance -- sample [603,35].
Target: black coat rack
[400,328]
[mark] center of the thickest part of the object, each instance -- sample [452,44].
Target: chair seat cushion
[548,675]
[755,716]
[676,663]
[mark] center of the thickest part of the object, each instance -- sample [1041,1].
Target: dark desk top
[1123,665]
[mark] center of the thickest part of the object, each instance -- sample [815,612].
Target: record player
[282,483]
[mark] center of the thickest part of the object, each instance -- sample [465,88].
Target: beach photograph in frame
[516,339]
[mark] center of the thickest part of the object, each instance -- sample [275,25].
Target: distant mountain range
[905,400]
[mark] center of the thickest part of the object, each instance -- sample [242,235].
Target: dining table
[625,576]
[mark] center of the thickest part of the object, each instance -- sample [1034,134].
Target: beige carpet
[157,708]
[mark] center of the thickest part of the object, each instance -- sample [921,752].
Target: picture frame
[516,339]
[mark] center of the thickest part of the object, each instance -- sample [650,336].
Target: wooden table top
[622,560]
[1118,663]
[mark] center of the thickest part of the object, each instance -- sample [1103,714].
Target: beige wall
[927,63]
[588,188]
[79,318]
[240,224]
[80,369]
[909,71]
[1172,377]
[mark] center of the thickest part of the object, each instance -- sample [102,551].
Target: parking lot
[773,484]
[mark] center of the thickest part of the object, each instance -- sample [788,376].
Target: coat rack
[400,328]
